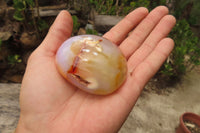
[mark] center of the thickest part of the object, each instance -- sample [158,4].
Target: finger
[119,32]
[153,62]
[139,34]
[58,33]
[159,32]
[140,76]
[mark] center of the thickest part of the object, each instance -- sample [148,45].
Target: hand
[49,104]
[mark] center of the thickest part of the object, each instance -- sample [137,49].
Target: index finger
[119,32]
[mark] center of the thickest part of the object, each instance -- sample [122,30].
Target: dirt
[9,107]
[160,113]
[193,127]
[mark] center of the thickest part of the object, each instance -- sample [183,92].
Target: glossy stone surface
[92,63]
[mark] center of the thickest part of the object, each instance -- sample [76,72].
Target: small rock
[81,31]
[4,36]
[89,26]
[190,125]
[28,39]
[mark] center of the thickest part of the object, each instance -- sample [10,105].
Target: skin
[49,104]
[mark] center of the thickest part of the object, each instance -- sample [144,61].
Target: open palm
[49,104]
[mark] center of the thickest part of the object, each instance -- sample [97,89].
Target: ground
[153,112]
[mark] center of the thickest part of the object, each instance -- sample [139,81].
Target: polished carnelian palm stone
[92,63]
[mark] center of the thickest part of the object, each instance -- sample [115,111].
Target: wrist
[31,124]
[22,128]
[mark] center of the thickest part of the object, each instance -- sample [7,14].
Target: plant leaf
[30,3]
[18,16]
[20,6]
[42,25]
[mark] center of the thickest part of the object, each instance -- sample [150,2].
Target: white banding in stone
[93,83]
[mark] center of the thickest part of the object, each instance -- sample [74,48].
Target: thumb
[60,30]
